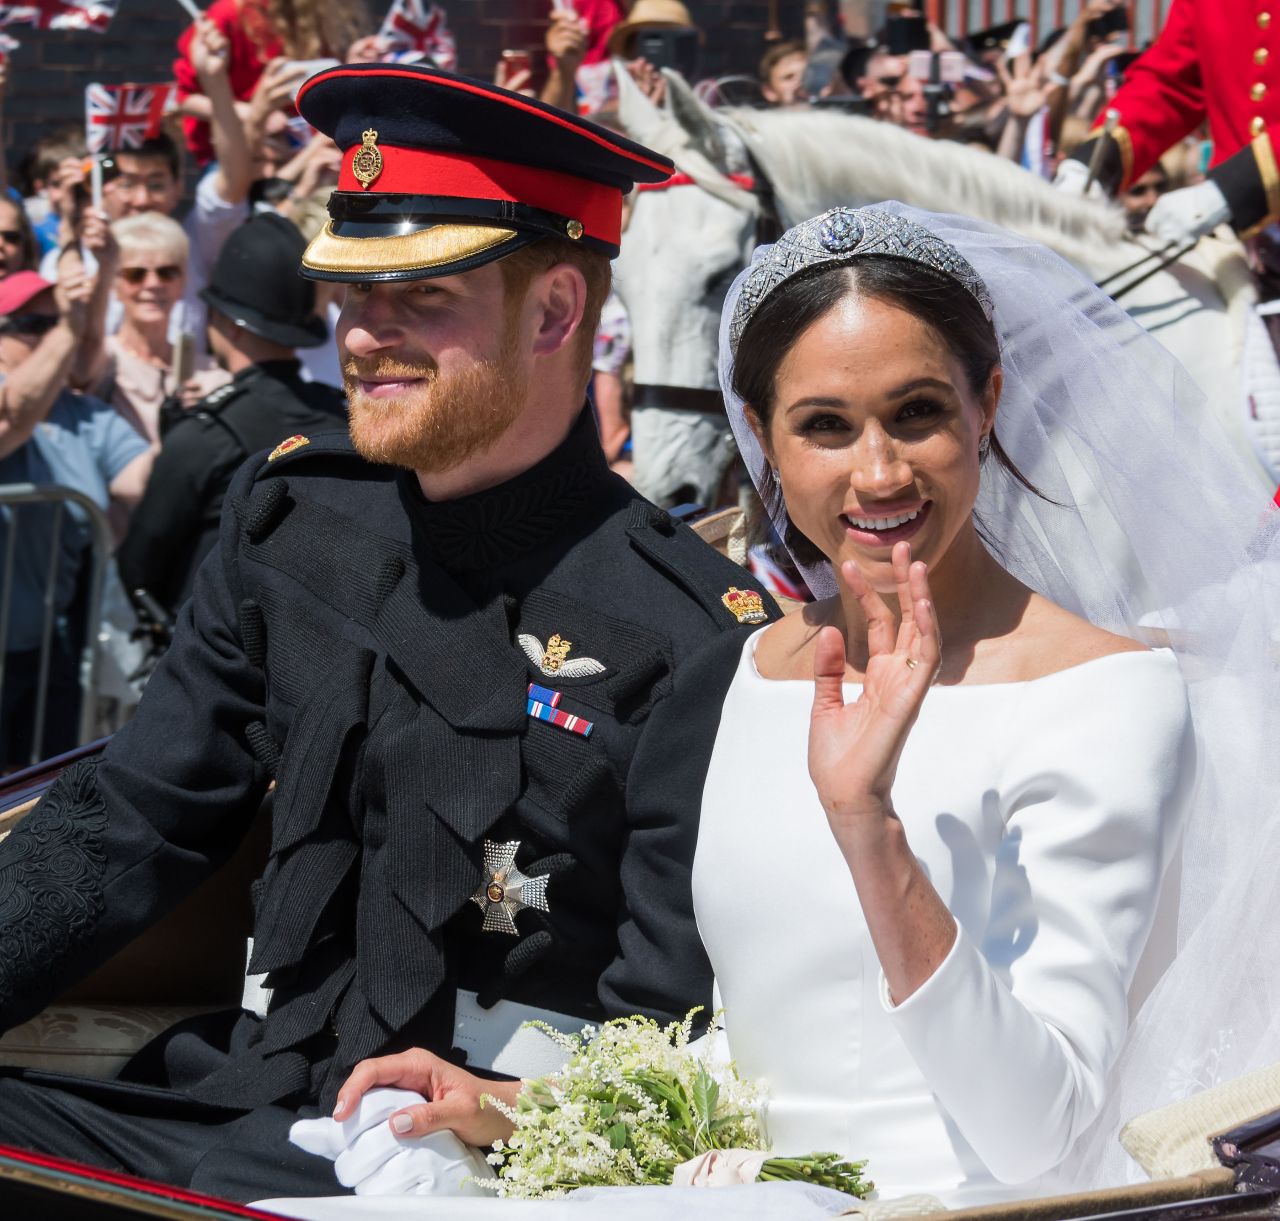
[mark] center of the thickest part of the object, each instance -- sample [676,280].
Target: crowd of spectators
[113,334]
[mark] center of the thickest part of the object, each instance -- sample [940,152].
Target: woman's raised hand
[854,748]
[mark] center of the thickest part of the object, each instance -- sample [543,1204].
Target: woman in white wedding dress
[937,805]
[952,1014]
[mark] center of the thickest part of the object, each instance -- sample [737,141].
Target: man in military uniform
[1214,63]
[260,312]
[443,640]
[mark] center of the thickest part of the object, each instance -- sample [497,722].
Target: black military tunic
[373,652]
[176,525]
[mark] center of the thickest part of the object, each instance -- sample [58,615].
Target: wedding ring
[911,662]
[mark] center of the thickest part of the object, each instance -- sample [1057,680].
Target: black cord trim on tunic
[263,509]
[253,633]
[263,746]
[51,868]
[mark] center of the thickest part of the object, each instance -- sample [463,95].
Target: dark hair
[158,147]
[935,299]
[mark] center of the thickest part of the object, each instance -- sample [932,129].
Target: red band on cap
[495,94]
[420,171]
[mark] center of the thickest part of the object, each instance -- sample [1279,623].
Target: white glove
[1071,177]
[372,1160]
[1188,214]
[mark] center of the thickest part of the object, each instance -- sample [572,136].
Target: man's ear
[561,299]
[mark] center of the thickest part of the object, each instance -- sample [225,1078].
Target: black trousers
[161,1135]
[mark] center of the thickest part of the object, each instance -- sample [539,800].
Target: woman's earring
[984,447]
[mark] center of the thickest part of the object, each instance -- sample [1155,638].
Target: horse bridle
[769,228]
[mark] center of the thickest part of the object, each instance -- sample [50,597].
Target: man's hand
[71,294]
[275,90]
[453,1096]
[652,83]
[96,237]
[210,52]
[1187,215]
[566,40]
[367,50]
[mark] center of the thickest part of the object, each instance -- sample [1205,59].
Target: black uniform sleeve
[1250,183]
[117,843]
[662,970]
[166,525]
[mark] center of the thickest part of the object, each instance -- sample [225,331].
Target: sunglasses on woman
[33,325]
[166,274]
[11,237]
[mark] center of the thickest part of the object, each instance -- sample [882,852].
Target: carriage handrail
[17,494]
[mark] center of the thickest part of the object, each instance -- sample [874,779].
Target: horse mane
[815,160]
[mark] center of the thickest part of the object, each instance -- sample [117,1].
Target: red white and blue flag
[123,116]
[414,29]
[92,15]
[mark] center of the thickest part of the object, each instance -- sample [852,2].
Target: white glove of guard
[1071,177]
[369,1158]
[1188,214]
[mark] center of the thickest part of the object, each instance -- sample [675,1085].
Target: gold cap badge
[366,165]
[288,445]
[747,605]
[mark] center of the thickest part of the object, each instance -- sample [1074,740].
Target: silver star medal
[507,890]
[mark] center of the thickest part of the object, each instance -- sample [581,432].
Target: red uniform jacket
[1215,60]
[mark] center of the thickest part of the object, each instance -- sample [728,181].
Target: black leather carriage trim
[51,869]
[700,570]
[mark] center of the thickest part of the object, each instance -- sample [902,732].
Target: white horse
[683,245]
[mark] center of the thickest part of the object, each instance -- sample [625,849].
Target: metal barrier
[12,497]
[959,17]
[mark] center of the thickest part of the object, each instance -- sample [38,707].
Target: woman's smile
[882,526]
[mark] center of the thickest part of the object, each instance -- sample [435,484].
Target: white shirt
[1044,814]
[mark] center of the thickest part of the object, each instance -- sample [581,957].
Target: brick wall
[49,71]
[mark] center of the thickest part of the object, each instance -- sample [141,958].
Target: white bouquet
[634,1106]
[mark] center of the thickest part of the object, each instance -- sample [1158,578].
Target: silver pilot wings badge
[507,890]
[555,659]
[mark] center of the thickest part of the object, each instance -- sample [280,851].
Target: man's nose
[368,326]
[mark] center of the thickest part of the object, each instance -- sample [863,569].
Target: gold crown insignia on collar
[747,605]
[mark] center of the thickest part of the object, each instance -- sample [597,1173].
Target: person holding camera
[51,435]
[1212,63]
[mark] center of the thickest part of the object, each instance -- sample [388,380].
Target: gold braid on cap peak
[838,237]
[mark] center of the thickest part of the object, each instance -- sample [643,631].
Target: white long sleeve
[1044,814]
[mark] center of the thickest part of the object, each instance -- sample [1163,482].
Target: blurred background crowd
[153,333]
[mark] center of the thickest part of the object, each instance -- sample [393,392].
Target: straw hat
[646,15]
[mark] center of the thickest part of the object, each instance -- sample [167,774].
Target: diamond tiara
[840,236]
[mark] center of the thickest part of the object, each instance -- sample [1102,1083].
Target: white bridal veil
[1149,527]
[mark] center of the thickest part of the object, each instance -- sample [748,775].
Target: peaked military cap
[442,173]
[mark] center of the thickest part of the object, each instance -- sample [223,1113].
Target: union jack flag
[92,15]
[416,28]
[123,116]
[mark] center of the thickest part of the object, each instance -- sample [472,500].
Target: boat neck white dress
[1045,813]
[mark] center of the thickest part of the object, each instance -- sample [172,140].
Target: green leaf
[617,1136]
[607,1109]
[706,1093]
